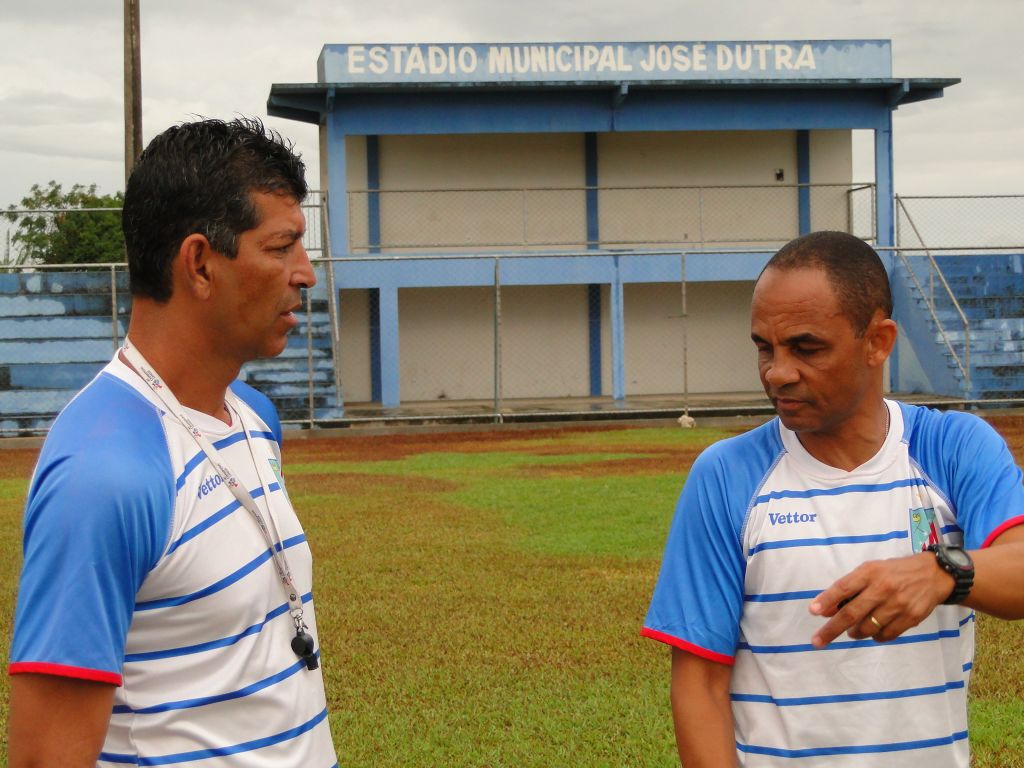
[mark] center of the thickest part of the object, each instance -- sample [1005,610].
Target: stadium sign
[602,62]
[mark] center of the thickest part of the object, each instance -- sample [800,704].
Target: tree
[66,230]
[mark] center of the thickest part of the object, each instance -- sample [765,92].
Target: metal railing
[532,218]
[935,275]
[499,349]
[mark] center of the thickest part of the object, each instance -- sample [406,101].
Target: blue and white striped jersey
[141,569]
[762,527]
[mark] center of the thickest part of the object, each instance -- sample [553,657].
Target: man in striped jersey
[849,513]
[165,612]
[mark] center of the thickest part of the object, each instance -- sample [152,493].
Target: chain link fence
[627,217]
[635,330]
[960,222]
[961,262]
[61,323]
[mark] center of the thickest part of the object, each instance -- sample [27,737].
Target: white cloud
[61,78]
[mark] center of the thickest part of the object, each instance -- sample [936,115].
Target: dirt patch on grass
[382,447]
[1012,430]
[354,483]
[17,462]
[663,463]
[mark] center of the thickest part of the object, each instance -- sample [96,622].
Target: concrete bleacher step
[989,289]
[34,403]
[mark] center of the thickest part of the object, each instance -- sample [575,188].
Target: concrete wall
[354,325]
[706,159]
[447,342]
[452,192]
[721,356]
[831,163]
[457,202]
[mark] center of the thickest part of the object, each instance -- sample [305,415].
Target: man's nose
[304,275]
[781,371]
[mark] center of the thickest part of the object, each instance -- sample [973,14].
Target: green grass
[479,597]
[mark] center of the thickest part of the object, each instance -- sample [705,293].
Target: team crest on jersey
[276,466]
[924,528]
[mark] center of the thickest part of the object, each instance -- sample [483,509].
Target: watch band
[957,563]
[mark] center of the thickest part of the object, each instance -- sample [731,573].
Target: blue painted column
[803,178]
[389,367]
[373,232]
[618,335]
[593,242]
[884,188]
[885,198]
[337,185]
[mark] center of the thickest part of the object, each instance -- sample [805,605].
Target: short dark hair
[853,268]
[198,177]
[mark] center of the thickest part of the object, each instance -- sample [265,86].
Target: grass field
[480,595]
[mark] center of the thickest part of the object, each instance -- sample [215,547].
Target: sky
[61,81]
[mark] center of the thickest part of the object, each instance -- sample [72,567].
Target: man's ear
[192,268]
[881,338]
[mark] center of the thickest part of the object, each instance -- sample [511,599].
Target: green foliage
[62,232]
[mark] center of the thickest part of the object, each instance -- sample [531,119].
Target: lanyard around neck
[265,524]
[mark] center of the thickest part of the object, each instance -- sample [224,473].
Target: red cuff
[696,650]
[62,670]
[1013,522]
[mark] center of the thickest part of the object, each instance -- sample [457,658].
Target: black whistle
[304,647]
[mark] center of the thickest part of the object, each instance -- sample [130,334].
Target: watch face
[958,558]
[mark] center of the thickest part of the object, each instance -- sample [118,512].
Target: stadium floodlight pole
[132,87]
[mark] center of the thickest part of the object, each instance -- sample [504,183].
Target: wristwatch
[958,564]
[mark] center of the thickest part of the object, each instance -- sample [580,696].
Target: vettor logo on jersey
[789,518]
[208,485]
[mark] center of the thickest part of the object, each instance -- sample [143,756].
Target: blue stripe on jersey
[843,698]
[202,754]
[861,749]
[778,597]
[204,700]
[198,458]
[222,642]
[227,581]
[114,757]
[969,618]
[968,666]
[217,516]
[786,543]
[843,489]
[835,646]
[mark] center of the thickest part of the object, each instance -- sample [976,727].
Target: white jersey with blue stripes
[141,569]
[762,527]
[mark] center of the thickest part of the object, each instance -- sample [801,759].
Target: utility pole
[132,87]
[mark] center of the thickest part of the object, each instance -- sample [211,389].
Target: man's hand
[900,593]
[881,599]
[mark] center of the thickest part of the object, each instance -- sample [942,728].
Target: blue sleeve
[698,597]
[970,462]
[261,404]
[97,520]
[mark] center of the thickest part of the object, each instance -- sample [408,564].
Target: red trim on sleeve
[1013,522]
[62,670]
[696,650]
